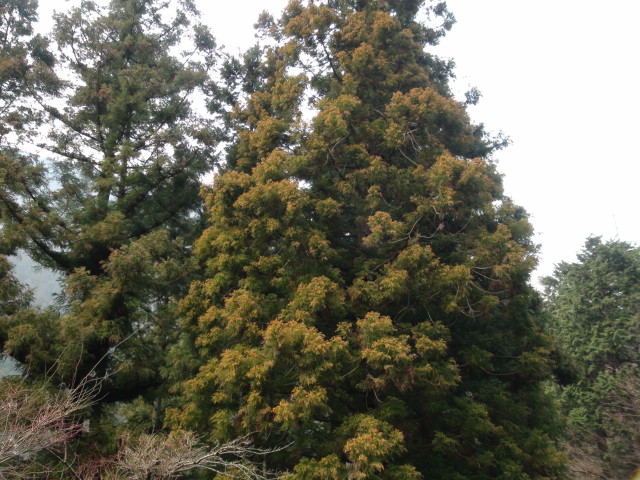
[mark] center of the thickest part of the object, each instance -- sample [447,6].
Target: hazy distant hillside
[43,282]
[8,366]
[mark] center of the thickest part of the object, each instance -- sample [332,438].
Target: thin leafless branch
[156,457]
[34,419]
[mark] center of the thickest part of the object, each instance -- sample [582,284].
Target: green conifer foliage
[366,300]
[25,69]
[116,206]
[593,310]
[24,66]
[13,295]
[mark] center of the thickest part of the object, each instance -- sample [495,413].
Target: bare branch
[156,457]
[33,419]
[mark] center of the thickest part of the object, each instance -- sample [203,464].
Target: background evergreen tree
[115,205]
[593,310]
[367,296]
[25,68]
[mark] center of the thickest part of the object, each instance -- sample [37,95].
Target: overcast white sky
[561,78]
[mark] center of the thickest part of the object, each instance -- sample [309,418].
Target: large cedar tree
[366,300]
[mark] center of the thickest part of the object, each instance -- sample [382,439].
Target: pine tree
[25,68]
[593,308]
[116,205]
[366,299]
